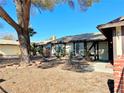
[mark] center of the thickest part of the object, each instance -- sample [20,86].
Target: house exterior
[46,44]
[94,43]
[9,48]
[114,31]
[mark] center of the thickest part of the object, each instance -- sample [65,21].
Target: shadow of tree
[50,63]
[2,80]
[3,90]
[77,65]
[78,68]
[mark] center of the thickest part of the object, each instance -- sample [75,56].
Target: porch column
[74,48]
[118,47]
[97,51]
[85,48]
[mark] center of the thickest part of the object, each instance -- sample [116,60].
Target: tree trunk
[24,46]
[23,15]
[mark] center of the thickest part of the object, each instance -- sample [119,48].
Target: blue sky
[64,21]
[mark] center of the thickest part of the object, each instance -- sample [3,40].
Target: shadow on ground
[2,80]
[47,65]
[1,88]
[111,85]
[76,67]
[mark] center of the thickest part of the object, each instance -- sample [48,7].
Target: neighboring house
[9,48]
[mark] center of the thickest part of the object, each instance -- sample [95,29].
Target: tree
[31,32]
[23,16]
[33,49]
[59,51]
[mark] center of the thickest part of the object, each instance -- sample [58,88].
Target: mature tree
[23,15]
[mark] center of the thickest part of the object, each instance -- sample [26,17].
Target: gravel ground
[15,79]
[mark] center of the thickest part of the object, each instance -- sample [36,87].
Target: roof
[117,22]
[46,41]
[8,42]
[43,42]
[81,37]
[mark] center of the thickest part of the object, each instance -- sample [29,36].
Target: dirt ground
[52,80]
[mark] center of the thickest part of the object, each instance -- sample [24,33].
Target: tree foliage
[45,4]
[31,32]
[50,4]
[33,49]
[59,51]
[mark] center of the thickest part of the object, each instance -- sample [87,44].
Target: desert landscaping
[61,46]
[33,79]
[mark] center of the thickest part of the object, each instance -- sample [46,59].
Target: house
[45,44]
[9,48]
[114,31]
[94,43]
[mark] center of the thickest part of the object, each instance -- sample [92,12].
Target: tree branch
[26,8]
[19,11]
[4,15]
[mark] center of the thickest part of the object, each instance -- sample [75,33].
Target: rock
[38,62]
[46,65]
[15,66]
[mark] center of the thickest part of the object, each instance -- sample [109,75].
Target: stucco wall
[103,51]
[9,50]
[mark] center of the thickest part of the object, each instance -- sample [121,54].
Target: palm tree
[31,32]
[23,15]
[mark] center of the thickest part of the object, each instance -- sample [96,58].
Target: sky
[63,21]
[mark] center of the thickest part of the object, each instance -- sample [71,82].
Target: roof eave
[110,25]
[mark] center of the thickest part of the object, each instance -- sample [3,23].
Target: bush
[59,52]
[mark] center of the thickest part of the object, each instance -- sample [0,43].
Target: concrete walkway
[102,67]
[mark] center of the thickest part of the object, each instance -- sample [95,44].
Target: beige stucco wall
[10,50]
[118,40]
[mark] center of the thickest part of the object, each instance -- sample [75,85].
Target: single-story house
[9,48]
[94,43]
